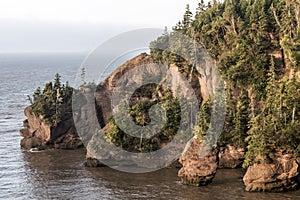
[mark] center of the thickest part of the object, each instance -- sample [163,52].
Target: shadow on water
[61,174]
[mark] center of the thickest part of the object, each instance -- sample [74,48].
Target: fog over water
[80,25]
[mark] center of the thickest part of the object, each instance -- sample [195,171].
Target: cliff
[149,95]
[255,46]
[104,90]
[42,135]
[49,122]
[224,157]
[280,175]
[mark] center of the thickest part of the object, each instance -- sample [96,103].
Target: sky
[80,25]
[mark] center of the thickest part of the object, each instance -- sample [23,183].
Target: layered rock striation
[137,69]
[279,176]
[42,135]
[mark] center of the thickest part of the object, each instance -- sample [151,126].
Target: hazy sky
[79,25]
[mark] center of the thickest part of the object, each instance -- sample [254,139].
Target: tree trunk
[233,25]
[293,116]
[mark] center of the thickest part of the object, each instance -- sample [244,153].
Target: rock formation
[39,134]
[198,166]
[278,176]
[231,157]
[105,88]
[143,64]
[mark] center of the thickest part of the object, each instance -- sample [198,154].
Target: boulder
[231,157]
[68,141]
[278,176]
[198,166]
[93,162]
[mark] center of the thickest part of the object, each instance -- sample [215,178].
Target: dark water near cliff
[61,174]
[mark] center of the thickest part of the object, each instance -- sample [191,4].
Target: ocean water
[59,174]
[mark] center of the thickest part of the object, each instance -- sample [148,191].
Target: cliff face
[39,134]
[105,88]
[197,170]
[143,65]
[282,174]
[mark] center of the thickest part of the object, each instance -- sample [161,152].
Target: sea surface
[59,174]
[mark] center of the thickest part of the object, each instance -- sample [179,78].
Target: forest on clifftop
[256,45]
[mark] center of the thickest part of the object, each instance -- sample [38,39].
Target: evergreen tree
[82,76]
[241,120]
[259,149]
[187,18]
[256,45]
[54,102]
[201,7]
[204,120]
[37,95]
[57,83]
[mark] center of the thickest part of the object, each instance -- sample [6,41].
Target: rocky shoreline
[41,135]
[281,174]
[195,170]
[278,176]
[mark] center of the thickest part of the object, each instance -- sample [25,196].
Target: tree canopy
[256,44]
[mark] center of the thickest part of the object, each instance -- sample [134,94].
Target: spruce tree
[57,83]
[241,120]
[204,120]
[187,18]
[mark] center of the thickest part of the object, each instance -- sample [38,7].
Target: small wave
[7,113]
[34,150]
[21,105]
[37,150]
[12,106]
[13,130]
[10,131]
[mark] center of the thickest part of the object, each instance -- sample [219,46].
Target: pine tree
[231,15]
[201,7]
[264,127]
[241,121]
[57,83]
[259,149]
[37,95]
[68,92]
[187,18]
[204,120]
[82,76]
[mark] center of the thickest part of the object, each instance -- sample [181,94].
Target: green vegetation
[256,44]
[139,112]
[53,102]
[204,119]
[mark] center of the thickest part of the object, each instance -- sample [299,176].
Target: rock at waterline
[279,176]
[198,167]
[39,134]
[231,157]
